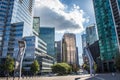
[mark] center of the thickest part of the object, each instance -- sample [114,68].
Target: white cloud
[53,13]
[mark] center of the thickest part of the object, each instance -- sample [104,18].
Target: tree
[35,67]
[95,66]
[86,67]
[61,68]
[75,67]
[9,65]
[117,62]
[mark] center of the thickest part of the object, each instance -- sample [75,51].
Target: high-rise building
[77,57]
[91,34]
[45,60]
[108,24]
[13,12]
[36,48]
[47,34]
[36,25]
[84,44]
[95,53]
[69,48]
[58,51]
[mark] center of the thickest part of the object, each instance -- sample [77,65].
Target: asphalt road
[108,76]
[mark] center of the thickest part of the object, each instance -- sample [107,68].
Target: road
[108,76]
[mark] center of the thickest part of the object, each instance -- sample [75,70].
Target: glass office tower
[11,12]
[40,52]
[47,34]
[58,51]
[36,25]
[91,34]
[106,14]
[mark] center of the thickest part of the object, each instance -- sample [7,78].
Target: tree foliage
[75,67]
[86,67]
[61,68]
[9,64]
[35,67]
[95,66]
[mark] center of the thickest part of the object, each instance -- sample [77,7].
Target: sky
[67,16]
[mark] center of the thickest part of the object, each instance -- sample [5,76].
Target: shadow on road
[108,76]
[77,78]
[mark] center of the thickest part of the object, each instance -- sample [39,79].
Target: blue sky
[66,16]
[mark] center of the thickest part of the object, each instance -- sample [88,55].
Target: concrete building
[69,48]
[58,51]
[34,47]
[107,15]
[47,34]
[45,62]
[37,49]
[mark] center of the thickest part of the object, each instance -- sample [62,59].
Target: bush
[61,68]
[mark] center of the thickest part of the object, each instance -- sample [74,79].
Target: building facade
[47,34]
[84,41]
[95,53]
[69,48]
[58,51]
[36,49]
[46,63]
[13,12]
[77,57]
[84,44]
[107,19]
[91,34]
[45,60]
[36,25]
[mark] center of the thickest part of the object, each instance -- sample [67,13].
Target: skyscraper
[11,13]
[47,34]
[40,49]
[91,34]
[84,44]
[58,51]
[36,25]
[107,19]
[69,48]
[77,57]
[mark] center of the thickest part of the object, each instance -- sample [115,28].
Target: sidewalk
[69,77]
